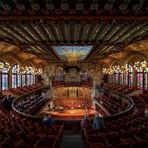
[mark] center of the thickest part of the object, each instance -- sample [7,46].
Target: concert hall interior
[73,73]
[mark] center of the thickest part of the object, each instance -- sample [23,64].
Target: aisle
[72,139]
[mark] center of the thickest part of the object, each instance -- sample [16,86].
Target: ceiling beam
[77,18]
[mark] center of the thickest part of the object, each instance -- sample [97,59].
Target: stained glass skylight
[72,53]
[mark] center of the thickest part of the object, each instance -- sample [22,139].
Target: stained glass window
[139,78]
[130,75]
[116,77]
[146,81]
[16,78]
[126,79]
[23,79]
[69,53]
[28,79]
[5,79]
[121,78]
[32,79]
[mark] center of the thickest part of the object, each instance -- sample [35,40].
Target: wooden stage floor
[70,114]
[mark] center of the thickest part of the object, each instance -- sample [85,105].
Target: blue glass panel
[72,52]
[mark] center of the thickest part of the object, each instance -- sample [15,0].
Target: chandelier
[115,69]
[4,66]
[141,66]
[29,69]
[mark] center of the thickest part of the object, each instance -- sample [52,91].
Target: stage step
[72,139]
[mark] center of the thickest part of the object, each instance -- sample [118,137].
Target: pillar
[135,78]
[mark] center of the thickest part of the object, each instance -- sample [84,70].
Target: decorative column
[135,78]
[94,87]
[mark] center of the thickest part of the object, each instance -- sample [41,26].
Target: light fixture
[4,66]
[115,69]
[1,66]
[141,65]
[7,66]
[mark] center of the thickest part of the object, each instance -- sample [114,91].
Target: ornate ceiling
[72,53]
[35,27]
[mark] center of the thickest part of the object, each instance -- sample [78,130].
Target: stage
[70,103]
[70,114]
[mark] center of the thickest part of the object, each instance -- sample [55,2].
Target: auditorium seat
[127,131]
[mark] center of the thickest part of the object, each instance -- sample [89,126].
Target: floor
[72,139]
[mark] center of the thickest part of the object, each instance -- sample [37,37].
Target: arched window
[130,75]
[32,79]
[121,78]
[115,74]
[126,79]
[4,76]
[146,80]
[23,79]
[29,75]
[16,78]
[140,78]
[5,82]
